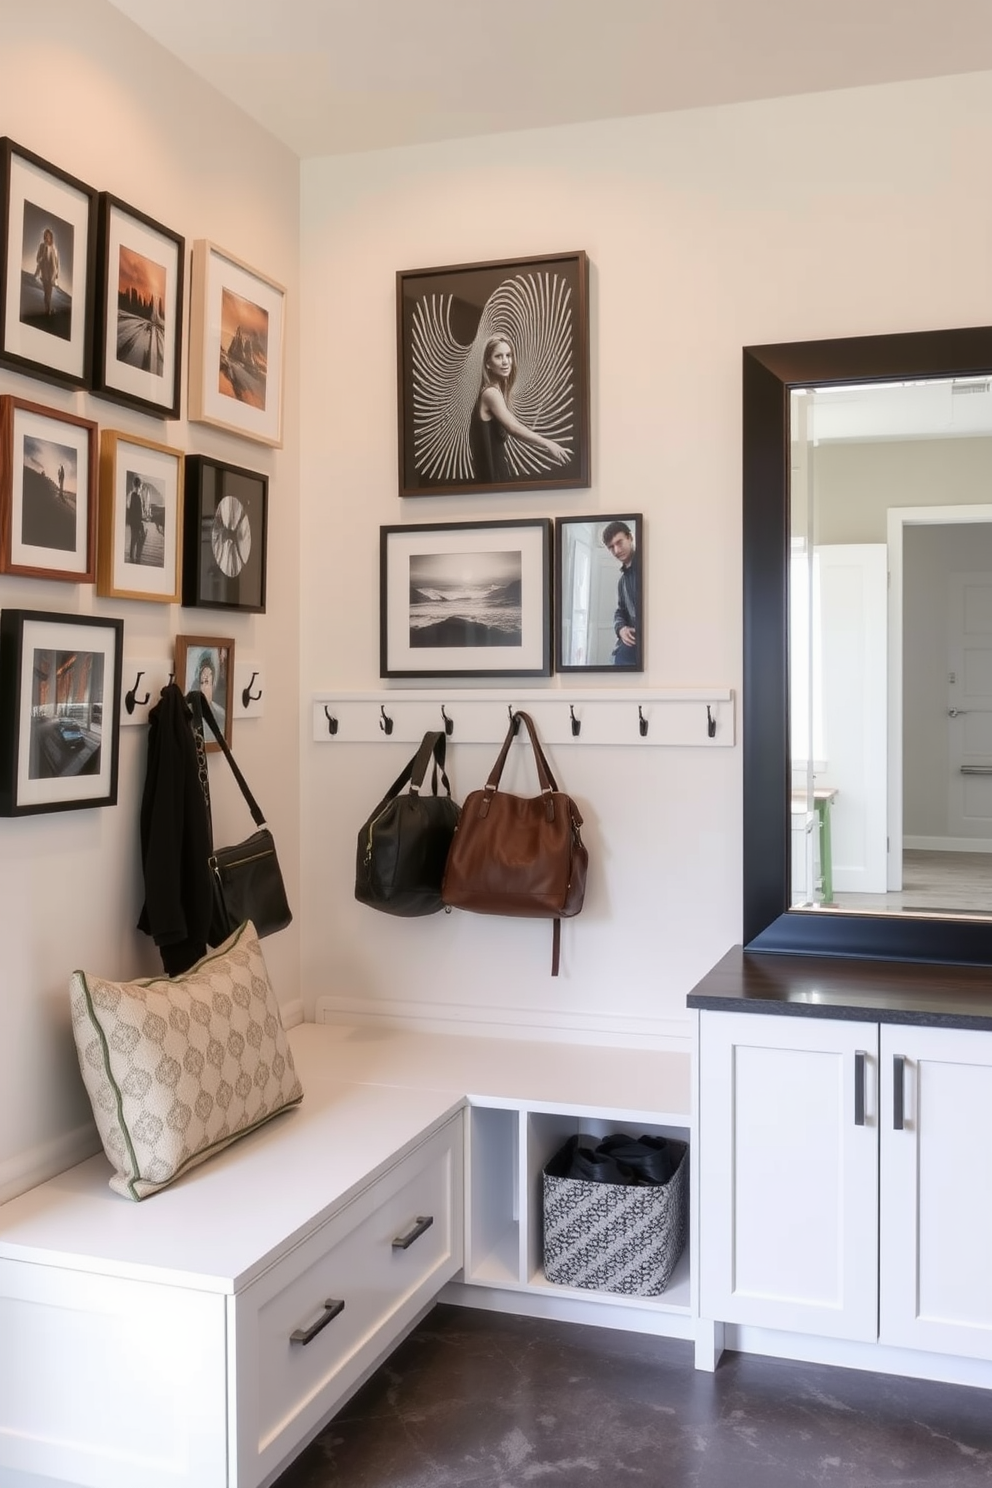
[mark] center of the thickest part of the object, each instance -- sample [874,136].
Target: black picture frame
[60,699]
[592,600]
[466,599]
[138,333]
[445,318]
[225,536]
[47,268]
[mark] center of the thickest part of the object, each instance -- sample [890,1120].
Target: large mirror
[867,717]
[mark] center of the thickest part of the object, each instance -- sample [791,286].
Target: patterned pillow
[177,1068]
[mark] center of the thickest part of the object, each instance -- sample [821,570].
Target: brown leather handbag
[519,855]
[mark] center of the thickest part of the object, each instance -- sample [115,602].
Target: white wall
[826,215]
[86,90]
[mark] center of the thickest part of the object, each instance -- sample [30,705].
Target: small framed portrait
[465,599]
[48,484]
[224,536]
[599,569]
[236,354]
[139,304]
[139,539]
[206,664]
[493,371]
[60,692]
[47,253]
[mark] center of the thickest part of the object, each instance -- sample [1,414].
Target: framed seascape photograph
[139,537]
[206,664]
[60,692]
[599,565]
[48,486]
[465,599]
[139,303]
[493,373]
[224,536]
[236,352]
[47,252]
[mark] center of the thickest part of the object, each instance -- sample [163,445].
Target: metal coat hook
[131,700]
[710,723]
[642,723]
[576,722]
[385,722]
[332,723]
[247,696]
[449,723]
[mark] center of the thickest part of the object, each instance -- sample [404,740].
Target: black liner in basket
[613,1237]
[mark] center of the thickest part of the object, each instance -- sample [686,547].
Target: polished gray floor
[491,1401]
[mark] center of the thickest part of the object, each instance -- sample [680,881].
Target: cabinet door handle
[898,1091]
[859,1087]
[421,1223]
[307,1335]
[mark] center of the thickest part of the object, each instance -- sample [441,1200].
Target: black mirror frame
[770,373]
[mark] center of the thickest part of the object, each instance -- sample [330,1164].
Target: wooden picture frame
[493,376]
[139,541]
[194,657]
[599,593]
[237,346]
[60,693]
[465,599]
[48,492]
[47,256]
[137,344]
[225,536]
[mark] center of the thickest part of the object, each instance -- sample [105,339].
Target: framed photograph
[60,693]
[224,536]
[206,663]
[493,368]
[48,484]
[139,305]
[139,534]
[465,599]
[47,253]
[599,565]
[236,352]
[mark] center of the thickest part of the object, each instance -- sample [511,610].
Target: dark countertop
[834,987]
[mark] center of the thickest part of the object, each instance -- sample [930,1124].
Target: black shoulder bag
[403,846]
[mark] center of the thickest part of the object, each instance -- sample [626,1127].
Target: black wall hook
[332,723]
[576,722]
[710,723]
[247,696]
[385,722]
[642,723]
[131,700]
[449,723]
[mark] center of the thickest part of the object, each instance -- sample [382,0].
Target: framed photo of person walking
[236,351]
[493,376]
[48,486]
[47,254]
[599,573]
[139,538]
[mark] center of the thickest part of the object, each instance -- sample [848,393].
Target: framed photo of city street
[236,353]
[465,599]
[47,254]
[139,302]
[493,376]
[599,593]
[224,536]
[60,692]
[48,486]
[206,664]
[139,532]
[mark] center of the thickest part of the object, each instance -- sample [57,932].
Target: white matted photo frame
[137,340]
[47,253]
[237,346]
[599,593]
[139,541]
[465,599]
[60,688]
[48,492]
[206,664]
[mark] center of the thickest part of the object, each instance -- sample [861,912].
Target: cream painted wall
[826,215]
[85,89]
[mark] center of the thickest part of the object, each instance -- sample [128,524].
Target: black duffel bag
[403,846]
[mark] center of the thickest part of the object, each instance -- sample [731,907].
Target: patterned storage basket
[613,1238]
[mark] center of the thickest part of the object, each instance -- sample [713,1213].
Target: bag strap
[432,744]
[202,712]
[544,775]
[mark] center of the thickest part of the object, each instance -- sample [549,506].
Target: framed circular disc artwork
[225,536]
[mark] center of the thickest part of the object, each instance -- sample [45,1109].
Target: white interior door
[969,709]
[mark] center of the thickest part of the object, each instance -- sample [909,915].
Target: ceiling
[332,76]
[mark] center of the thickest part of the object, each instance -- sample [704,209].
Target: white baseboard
[570,1310]
[945,844]
[292,1013]
[28,1169]
[877,1358]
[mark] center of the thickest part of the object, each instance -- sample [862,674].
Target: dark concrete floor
[491,1401]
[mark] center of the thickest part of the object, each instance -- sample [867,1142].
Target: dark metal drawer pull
[307,1335]
[859,1087]
[423,1222]
[898,1092]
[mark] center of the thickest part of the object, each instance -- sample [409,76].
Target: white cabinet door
[788,1173]
[936,1204]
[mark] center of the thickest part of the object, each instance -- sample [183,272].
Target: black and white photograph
[206,664]
[224,544]
[60,681]
[47,253]
[466,599]
[236,352]
[47,492]
[140,529]
[494,376]
[599,566]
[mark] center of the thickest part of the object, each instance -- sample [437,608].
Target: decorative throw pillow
[178,1068]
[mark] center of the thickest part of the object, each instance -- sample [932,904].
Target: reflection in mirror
[599,593]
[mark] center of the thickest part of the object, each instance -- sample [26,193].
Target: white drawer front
[285,1385]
